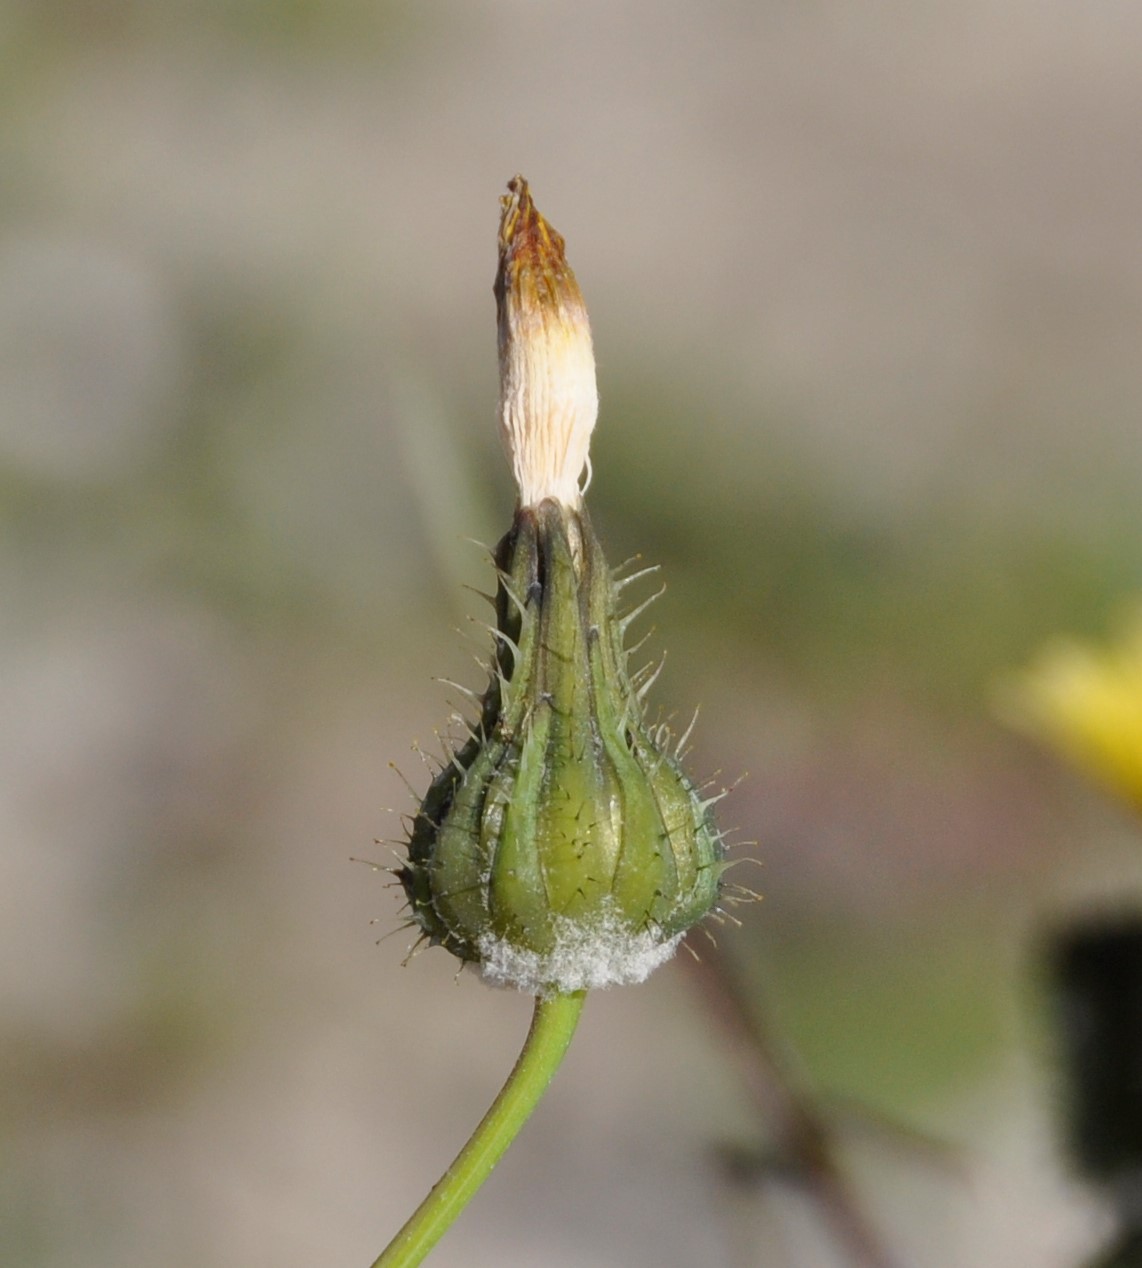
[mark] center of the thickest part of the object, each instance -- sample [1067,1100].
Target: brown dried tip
[548,397]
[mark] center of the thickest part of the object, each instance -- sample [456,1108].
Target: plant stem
[552,1025]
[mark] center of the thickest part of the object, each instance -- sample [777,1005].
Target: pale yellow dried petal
[548,395]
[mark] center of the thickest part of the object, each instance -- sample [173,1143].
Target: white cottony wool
[586,955]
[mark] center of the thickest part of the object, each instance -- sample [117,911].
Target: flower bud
[561,848]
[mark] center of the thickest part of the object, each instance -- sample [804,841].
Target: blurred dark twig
[802,1139]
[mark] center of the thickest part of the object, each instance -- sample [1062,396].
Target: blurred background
[866,289]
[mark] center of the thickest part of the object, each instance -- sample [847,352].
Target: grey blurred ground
[866,285]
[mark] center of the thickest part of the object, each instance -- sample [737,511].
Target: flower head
[561,847]
[1086,703]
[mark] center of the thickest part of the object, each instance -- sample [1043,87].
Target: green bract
[562,847]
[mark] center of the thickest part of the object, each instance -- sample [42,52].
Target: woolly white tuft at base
[586,956]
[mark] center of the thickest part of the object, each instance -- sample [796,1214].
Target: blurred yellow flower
[1086,703]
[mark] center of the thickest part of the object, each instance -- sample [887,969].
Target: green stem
[552,1026]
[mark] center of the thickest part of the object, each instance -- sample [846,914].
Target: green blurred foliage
[761,551]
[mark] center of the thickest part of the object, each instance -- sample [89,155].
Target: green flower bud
[561,848]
